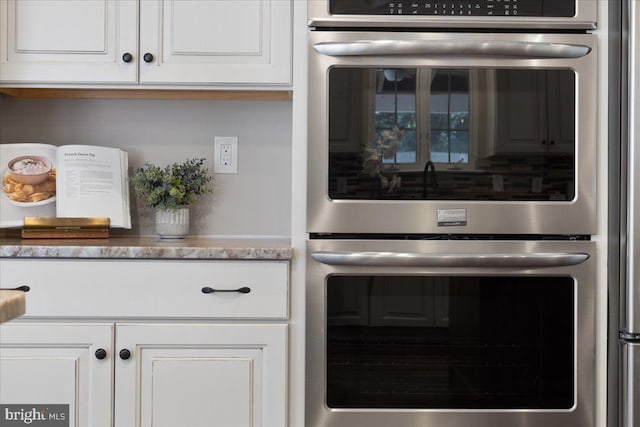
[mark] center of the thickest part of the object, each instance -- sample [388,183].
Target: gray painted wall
[254,202]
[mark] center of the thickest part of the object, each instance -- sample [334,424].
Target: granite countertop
[149,248]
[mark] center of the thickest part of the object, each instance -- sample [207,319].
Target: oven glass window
[452,134]
[450,342]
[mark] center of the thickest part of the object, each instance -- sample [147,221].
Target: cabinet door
[63,41]
[201,375]
[562,121]
[347,117]
[216,42]
[521,123]
[56,364]
[415,301]
[345,304]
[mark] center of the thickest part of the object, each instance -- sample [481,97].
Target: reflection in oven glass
[450,342]
[452,134]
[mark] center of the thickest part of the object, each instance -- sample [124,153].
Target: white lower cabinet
[48,364]
[201,375]
[222,363]
[165,375]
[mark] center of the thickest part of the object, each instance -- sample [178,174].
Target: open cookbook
[70,181]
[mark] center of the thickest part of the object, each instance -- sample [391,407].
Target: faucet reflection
[428,178]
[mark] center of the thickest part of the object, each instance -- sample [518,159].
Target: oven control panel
[455,8]
[458,8]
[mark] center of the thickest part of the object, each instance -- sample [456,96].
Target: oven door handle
[403,259]
[473,48]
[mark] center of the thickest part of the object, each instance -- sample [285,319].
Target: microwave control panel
[448,8]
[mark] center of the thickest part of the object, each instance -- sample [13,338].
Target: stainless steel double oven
[451,203]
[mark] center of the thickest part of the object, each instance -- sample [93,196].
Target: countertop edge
[148,248]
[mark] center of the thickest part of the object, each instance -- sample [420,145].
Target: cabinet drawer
[150,288]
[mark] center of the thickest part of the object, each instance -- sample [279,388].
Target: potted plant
[170,191]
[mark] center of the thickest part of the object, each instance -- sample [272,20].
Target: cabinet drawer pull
[243,290]
[127,57]
[124,354]
[19,288]
[101,353]
[148,57]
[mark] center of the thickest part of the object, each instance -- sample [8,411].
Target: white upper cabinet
[215,41]
[534,118]
[183,42]
[67,41]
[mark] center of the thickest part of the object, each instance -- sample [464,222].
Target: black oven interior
[459,342]
[452,134]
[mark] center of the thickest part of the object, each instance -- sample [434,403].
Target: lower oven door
[450,333]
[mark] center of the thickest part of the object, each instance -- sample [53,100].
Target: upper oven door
[431,133]
[530,14]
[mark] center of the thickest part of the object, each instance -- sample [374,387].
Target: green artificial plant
[173,186]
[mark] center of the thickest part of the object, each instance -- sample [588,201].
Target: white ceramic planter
[172,224]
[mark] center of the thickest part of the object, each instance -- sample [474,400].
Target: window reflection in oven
[486,133]
[450,342]
[396,108]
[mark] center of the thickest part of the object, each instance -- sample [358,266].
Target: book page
[91,183]
[126,208]
[31,189]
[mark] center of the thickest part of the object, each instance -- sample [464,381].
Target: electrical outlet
[498,183]
[225,154]
[536,185]
[341,183]
[225,158]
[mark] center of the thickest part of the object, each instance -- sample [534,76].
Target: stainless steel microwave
[466,133]
[506,14]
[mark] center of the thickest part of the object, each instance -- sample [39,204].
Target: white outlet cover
[229,162]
